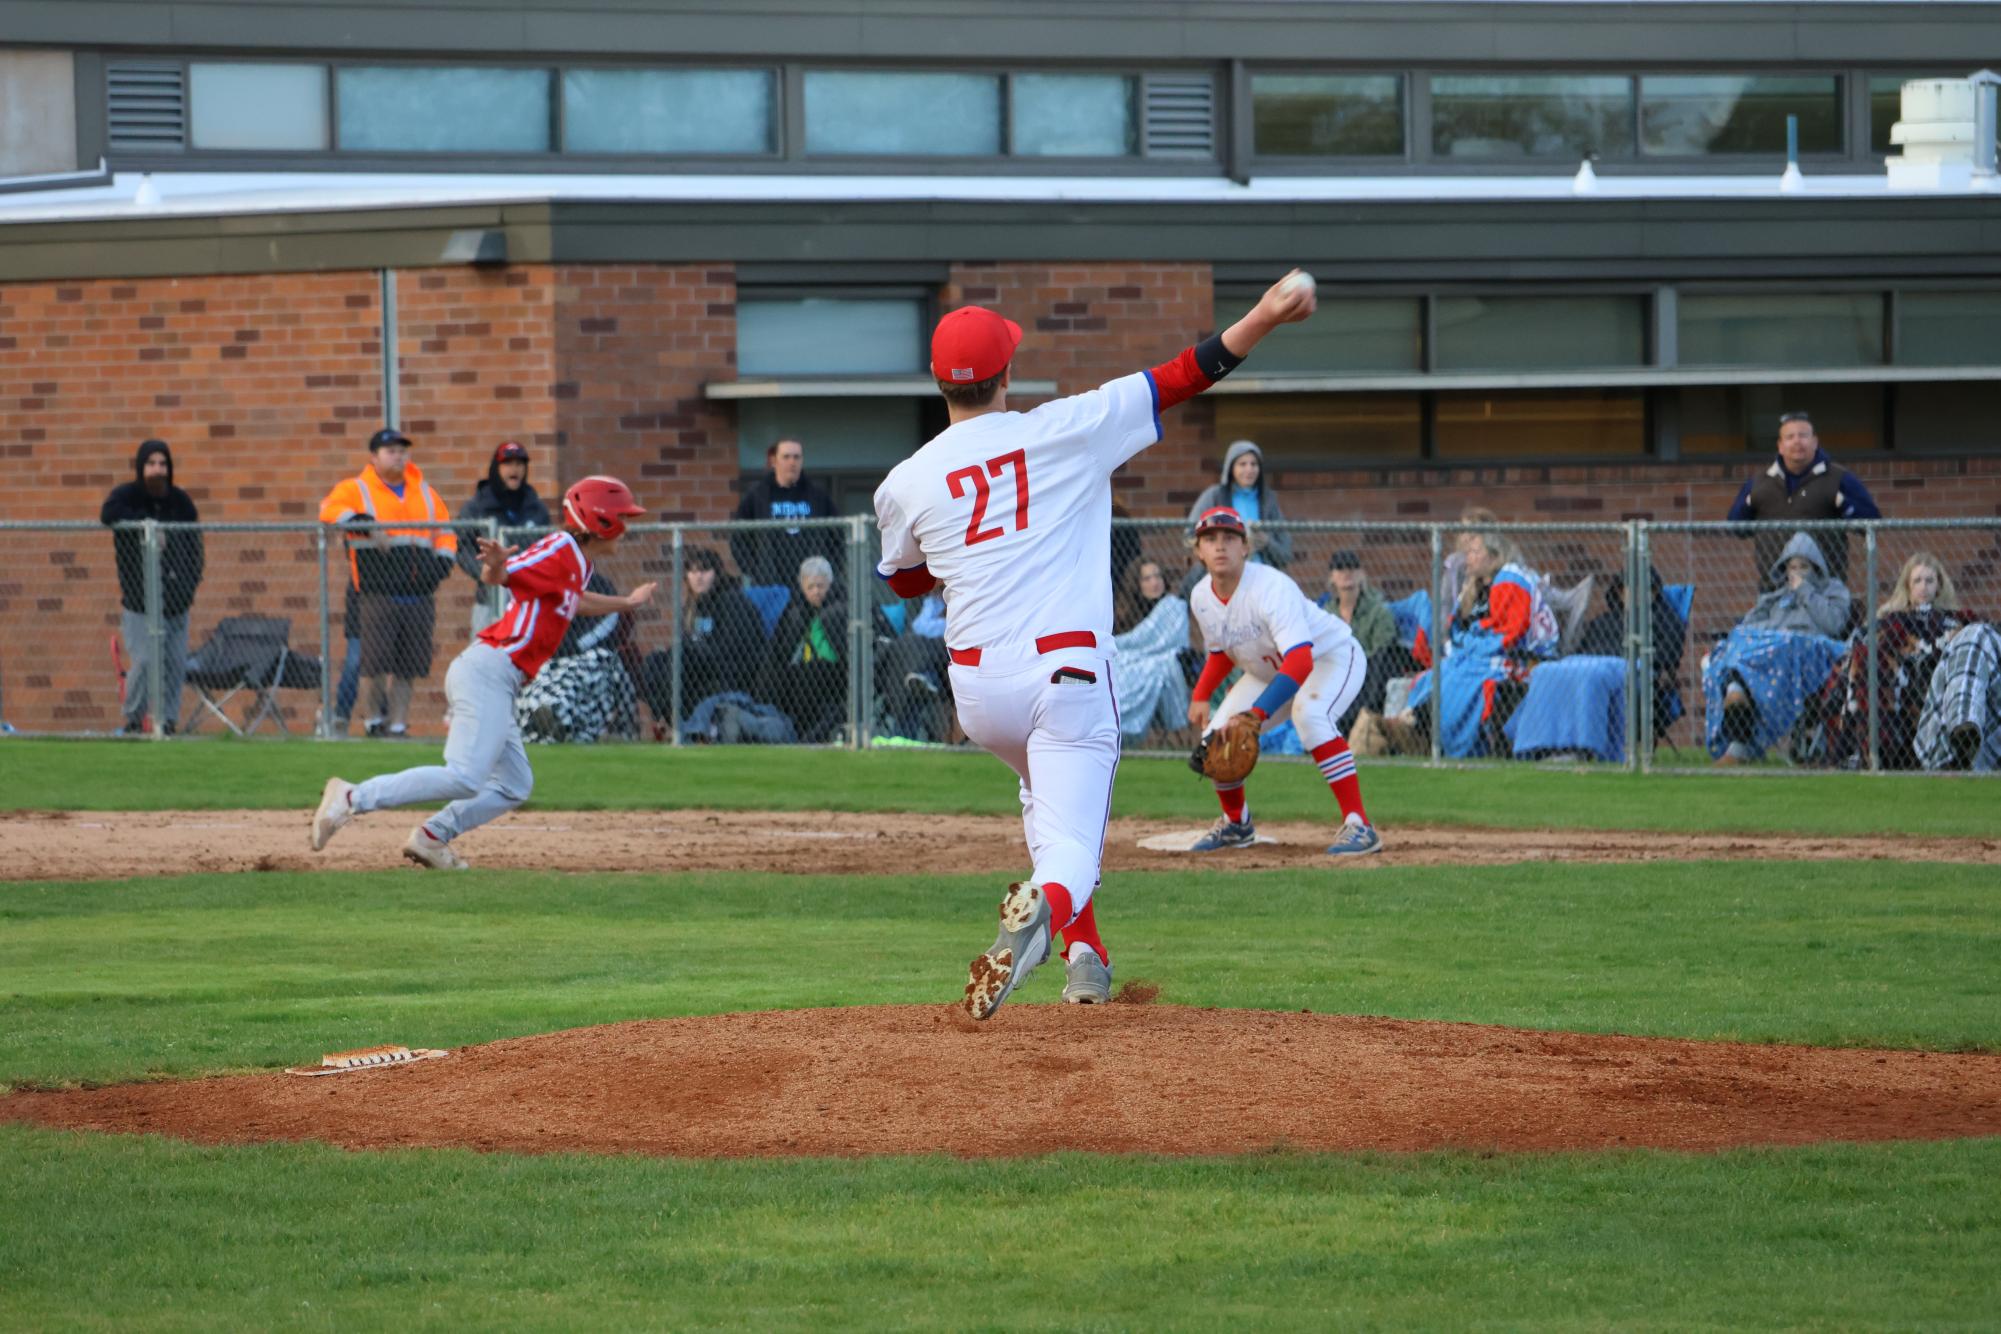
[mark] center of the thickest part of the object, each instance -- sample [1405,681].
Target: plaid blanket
[1965,692]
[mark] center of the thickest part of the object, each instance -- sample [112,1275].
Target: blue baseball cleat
[1355,839]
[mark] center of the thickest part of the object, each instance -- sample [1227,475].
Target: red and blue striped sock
[1337,766]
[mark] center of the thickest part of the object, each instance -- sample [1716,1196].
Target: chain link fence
[1494,644]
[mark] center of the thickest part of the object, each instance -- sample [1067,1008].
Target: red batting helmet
[600,506]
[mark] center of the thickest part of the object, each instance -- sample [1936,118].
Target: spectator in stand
[910,672]
[395,572]
[1352,598]
[805,669]
[584,693]
[1472,520]
[1150,628]
[506,498]
[770,556]
[1500,630]
[1960,727]
[1801,484]
[1242,488]
[1756,681]
[154,496]
[1912,627]
[1604,635]
[721,637]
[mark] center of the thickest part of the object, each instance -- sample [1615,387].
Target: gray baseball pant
[485,774]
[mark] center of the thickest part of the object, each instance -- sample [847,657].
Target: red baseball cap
[972,344]
[1222,517]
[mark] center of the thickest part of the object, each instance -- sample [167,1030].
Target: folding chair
[250,653]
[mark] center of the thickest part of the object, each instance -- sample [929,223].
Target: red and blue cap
[1223,519]
[972,344]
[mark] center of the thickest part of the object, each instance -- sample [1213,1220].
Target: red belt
[970,657]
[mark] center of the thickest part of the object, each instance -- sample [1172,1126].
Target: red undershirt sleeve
[1213,672]
[914,582]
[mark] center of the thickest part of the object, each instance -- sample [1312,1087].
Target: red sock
[1084,931]
[1232,797]
[1060,911]
[1337,766]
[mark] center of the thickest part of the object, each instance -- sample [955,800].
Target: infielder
[1297,661]
[485,773]
[1011,513]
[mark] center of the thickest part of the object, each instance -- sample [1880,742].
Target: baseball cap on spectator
[1346,559]
[388,435]
[972,344]
[510,451]
[1222,517]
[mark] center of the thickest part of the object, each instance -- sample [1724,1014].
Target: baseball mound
[1040,1078]
[97,845]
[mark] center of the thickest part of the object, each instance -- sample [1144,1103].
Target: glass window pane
[1346,336]
[1073,115]
[1305,431]
[829,336]
[1504,116]
[878,111]
[258,106]
[841,435]
[443,109]
[1949,418]
[1488,333]
[1327,115]
[1816,329]
[1725,113]
[1545,423]
[1744,418]
[674,111]
[1949,329]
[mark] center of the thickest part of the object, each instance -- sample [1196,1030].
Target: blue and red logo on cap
[1221,518]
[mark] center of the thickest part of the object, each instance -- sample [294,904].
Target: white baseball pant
[1317,707]
[485,774]
[1060,735]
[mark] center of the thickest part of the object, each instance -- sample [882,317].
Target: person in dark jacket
[772,556]
[805,666]
[721,635]
[1802,483]
[154,496]
[506,498]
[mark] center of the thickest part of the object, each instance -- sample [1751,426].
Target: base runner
[1011,513]
[485,773]
[1297,661]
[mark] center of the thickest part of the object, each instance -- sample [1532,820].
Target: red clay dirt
[1041,1078]
[96,845]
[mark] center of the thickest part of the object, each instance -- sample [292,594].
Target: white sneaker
[427,849]
[1087,979]
[336,809]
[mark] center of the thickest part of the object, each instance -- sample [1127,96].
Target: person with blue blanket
[1755,682]
[1502,628]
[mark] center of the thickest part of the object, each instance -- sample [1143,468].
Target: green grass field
[193,974]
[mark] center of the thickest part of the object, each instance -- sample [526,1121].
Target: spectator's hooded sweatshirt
[1259,505]
[181,556]
[493,499]
[1819,606]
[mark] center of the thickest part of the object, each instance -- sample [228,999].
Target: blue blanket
[1462,694]
[1779,668]
[1574,704]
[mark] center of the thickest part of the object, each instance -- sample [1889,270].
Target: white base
[1185,842]
[1905,174]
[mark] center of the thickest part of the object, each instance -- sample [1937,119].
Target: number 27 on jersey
[974,478]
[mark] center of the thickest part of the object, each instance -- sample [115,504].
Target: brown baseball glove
[1231,751]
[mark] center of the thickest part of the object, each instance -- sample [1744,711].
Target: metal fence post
[325,729]
[1639,599]
[1437,639]
[861,625]
[1643,557]
[1875,701]
[674,646]
[156,632]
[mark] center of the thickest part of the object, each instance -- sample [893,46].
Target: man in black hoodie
[154,496]
[772,555]
[506,498]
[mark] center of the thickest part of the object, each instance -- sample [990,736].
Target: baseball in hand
[1300,282]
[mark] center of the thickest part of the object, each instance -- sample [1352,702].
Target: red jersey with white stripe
[544,581]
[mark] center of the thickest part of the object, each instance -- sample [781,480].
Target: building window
[1302,432]
[677,113]
[1949,328]
[1073,115]
[1829,329]
[443,109]
[1327,115]
[281,107]
[816,335]
[1744,419]
[892,113]
[1482,424]
[1692,115]
[1950,417]
[1346,336]
[1531,116]
[1519,333]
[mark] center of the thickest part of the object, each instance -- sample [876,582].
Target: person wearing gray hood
[1756,680]
[1242,488]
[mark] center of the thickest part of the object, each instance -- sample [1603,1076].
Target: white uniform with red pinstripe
[485,773]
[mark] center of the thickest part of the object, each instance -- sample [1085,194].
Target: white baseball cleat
[1087,979]
[427,849]
[336,809]
[1023,943]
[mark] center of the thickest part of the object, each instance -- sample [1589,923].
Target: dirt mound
[1040,1078]
[109,845]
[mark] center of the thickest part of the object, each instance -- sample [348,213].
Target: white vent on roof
[1180,115]
[147,105]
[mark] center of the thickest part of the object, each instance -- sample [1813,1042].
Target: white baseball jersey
[1266,618]
[1012,513]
